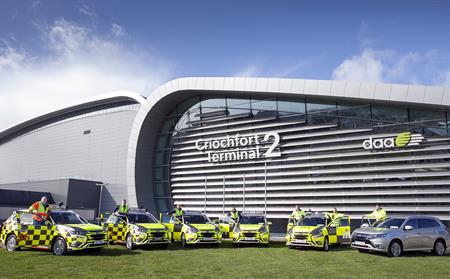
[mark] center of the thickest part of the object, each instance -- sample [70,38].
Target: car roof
[252,214]
[193,213]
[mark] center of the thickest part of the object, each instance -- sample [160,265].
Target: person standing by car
[297,214]
[40,210]
[333,215]
[379,214]
[122,208]
[234,214]
[177,212]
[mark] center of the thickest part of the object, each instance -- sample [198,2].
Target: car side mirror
[408,228]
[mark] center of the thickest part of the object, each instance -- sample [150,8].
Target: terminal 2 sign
[402,140]
[240,148]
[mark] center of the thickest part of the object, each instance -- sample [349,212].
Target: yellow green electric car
[193,228]
[136,228]
[64,231]
[318,230]
[251,228]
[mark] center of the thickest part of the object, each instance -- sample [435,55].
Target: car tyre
[326,244]
[439,248]
[59,246]
[129,242]
[395,249]
[11,243]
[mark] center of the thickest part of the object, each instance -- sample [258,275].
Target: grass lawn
[224,262]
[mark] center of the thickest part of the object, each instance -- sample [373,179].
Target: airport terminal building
[261,144]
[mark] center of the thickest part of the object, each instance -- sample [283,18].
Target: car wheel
[183,240]
[395,249]
[11,243]
[59,246]
[129,242]
[439,248]
[326,245]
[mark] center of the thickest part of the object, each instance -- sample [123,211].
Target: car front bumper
[377,244]
[251,237]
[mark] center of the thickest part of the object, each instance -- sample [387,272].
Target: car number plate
[360,243]
[207,238]
[99,242]
[300,241]
[249,238]
[157,238]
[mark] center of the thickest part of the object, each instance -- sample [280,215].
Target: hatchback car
[395,235]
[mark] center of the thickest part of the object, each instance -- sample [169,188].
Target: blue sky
[69,50]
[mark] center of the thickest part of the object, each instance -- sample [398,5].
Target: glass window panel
[428,123]
[264,108]
[290,107]
[161,189]
[160,173]
[321,113]
[389,119]
[238,106]
[354,116]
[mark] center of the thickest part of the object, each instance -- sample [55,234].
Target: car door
[177,227]
[37,236]
[116,228]
[343,230]
[427,233]
[332,230]
[411,237]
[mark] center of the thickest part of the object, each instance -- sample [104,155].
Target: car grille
[99,236]
[249,234]
[300,236]
[158,234]
[207,234]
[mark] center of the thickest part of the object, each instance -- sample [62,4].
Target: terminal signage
[402,140]
[240,147]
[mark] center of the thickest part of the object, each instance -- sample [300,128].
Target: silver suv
[395,235]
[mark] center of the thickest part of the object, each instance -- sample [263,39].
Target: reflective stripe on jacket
[39,210]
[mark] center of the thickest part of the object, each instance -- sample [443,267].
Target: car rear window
[427,223]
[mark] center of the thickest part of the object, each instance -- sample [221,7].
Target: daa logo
[402,140]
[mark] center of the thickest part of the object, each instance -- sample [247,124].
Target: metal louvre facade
[322,162]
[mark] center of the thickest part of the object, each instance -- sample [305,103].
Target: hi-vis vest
[297,214]
[178,212]
[123,208]
[234,215]
[40,211]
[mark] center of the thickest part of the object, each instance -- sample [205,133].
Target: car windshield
[141,218]
[196,219]
[63,218]
[251,219]
[393,223]
[312,221]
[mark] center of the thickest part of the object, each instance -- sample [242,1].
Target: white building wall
[62,150]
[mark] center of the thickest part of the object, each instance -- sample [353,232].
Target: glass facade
[321,147]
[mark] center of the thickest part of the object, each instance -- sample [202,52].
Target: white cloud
[249,71]
[118,30]
[364,67]
[80,63]
[428,68]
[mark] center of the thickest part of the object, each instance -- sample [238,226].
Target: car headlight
[76,231]
[263,229]
[317,232]
[378,235]
[191,230]
[140,229]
